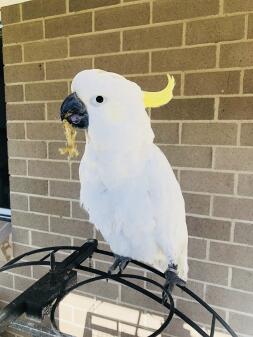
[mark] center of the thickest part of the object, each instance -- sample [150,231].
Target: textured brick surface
[215,30]
[24,73]
[211,133]
[31,111]
[209,228]
[206,132]
[234,159]
[233,208]
[132,15]
[236,54]
[45,50]
[124,64]
[42,8]
[10,14]
[189,109]
[183,59]
[212,83]
[68,25]
[95,44]
[247,135]
[236,108]
[231,6]
[67,68]
[244,233]
[77,5]
[174,10]
[155,37]
[12,54]
[23,32]
[46,91]
[49,206]
[245,184]
[213,182]
[180,156]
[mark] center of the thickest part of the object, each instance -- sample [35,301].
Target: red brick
[165,10]
[184,59]
[125,16]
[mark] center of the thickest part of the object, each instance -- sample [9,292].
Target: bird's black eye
[100,99]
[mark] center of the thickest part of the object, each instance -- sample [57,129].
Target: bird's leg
[119,264]
[171,278]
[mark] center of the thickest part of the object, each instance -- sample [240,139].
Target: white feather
[127,185]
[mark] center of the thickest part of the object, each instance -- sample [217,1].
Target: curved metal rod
[184,288]
[118,279]
[41,250]
[12,264]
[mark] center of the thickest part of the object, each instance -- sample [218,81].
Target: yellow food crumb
[71,148]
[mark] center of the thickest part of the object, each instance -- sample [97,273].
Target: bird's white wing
[168,210]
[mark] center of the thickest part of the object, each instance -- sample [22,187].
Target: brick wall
[206,131]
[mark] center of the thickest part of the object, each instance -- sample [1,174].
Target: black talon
[171,279]
[120,263]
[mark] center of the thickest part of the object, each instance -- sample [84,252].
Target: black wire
[120,278]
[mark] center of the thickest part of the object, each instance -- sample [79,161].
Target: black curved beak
[75,111]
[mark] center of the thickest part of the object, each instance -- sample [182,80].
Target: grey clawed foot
[171,279]
[119,264]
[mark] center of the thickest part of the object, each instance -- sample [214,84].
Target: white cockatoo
[127,185]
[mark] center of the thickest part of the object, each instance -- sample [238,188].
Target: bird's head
[110,106]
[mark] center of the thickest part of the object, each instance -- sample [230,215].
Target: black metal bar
[73,262]
[35,300]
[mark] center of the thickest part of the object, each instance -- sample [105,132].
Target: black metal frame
[28,302]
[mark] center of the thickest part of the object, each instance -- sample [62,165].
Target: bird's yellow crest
[159,98]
